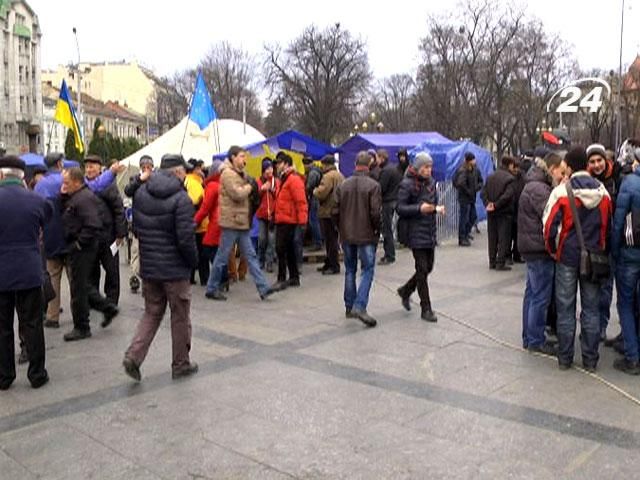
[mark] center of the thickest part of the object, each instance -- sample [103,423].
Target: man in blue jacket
[163,222]
[625,247]
[55,247]
[23,214]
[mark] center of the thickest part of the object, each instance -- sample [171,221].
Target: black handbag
[594,263]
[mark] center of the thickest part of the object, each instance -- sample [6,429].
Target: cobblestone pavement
[289,388]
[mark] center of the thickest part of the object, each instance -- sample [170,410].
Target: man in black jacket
[390,178]
[81,224]
[114,230]
[498,196]
[418,205]
[163,222]
[466,182]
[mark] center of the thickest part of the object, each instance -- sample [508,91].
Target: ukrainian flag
[66,115]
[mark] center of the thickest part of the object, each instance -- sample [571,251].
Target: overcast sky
[168,36]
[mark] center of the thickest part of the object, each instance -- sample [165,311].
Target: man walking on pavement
[24,215]
[390,178]
[325,193]
[163,223]
[357,213]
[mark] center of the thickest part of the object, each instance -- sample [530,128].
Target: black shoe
[502,268]
[51,324]
[492,267]
[610,342]
[364,317]
[518,260]
[190,369]
[293,282]
[109,315]
[322,269]
[589,368]
[40,381]
[386,261]
[331,271]
[405,300]
[464,243]
[267,294]
[23,357]
[134,284]
[429,316]
[131,369]
[470,237]
[546,349]
[76,334]
[618,347]
[279,286]
[215,296]
[477,230]
[348,313]
[627,366]
[564,366]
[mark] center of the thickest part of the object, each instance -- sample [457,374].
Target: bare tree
[171,100]
[392,100]
[278,118]
[324,74]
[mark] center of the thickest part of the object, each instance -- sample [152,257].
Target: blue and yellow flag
[66,115]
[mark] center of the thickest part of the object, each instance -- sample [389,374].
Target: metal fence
[448,224]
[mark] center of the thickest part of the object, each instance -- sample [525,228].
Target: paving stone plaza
[289,388]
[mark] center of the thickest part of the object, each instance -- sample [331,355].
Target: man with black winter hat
[593,207]
[23,214]
[114,230]
[465,182]
[163,221]
[403,160]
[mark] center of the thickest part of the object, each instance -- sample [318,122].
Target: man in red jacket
[291,211]
[210,208]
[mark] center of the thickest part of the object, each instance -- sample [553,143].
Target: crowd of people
[568,215]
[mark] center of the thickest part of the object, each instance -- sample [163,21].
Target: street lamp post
[619,106]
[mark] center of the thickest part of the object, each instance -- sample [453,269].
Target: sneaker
[364,317]
[77,334]
[267,293]
[429,316]
[405,300]
[109,315]
[546,348]
[464,243]
[190,369]
[627,366]
[131,369]
[215,296]
[51,324]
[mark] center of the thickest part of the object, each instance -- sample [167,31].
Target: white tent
[198,144]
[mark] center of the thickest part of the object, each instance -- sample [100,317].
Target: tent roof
[198,144]
[408,139]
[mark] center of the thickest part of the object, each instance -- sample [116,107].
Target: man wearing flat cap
[163,222]
[23,214]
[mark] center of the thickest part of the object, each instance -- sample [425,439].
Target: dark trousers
[111,266]
[514,253]
[156,296]
[464,221]
[388,208]
[330,234]
[29,304]
[286,251]
[82,292]
[203,262]
[499,233]
[424,259]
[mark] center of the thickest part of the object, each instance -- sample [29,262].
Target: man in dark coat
[418,205]
[390,178]
[163,222]
[82,226]
[358,204]
[114,230]
[465,181]
[519,175]
[23,215]
[542,177]
[498,196]
[403,160]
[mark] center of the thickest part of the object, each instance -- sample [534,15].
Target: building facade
[21,94]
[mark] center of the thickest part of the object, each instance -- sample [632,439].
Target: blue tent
[391,142]
[447,158]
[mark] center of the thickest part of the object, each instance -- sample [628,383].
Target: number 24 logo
[591,101]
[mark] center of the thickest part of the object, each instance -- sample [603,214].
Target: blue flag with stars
[202,111]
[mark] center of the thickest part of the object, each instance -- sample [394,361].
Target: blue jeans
[314,222]
[537,297]
[358,299]
[627,278]
[464,222]
[266,243]
[567,280]
[228,239]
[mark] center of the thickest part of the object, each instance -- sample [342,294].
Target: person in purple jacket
[55,247]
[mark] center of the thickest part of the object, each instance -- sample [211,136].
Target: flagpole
[188,116]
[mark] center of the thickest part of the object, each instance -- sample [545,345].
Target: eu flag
[201,111]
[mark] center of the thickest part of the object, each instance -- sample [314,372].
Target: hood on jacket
[589,190]
[539,173]
[215,177]
[164,184]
